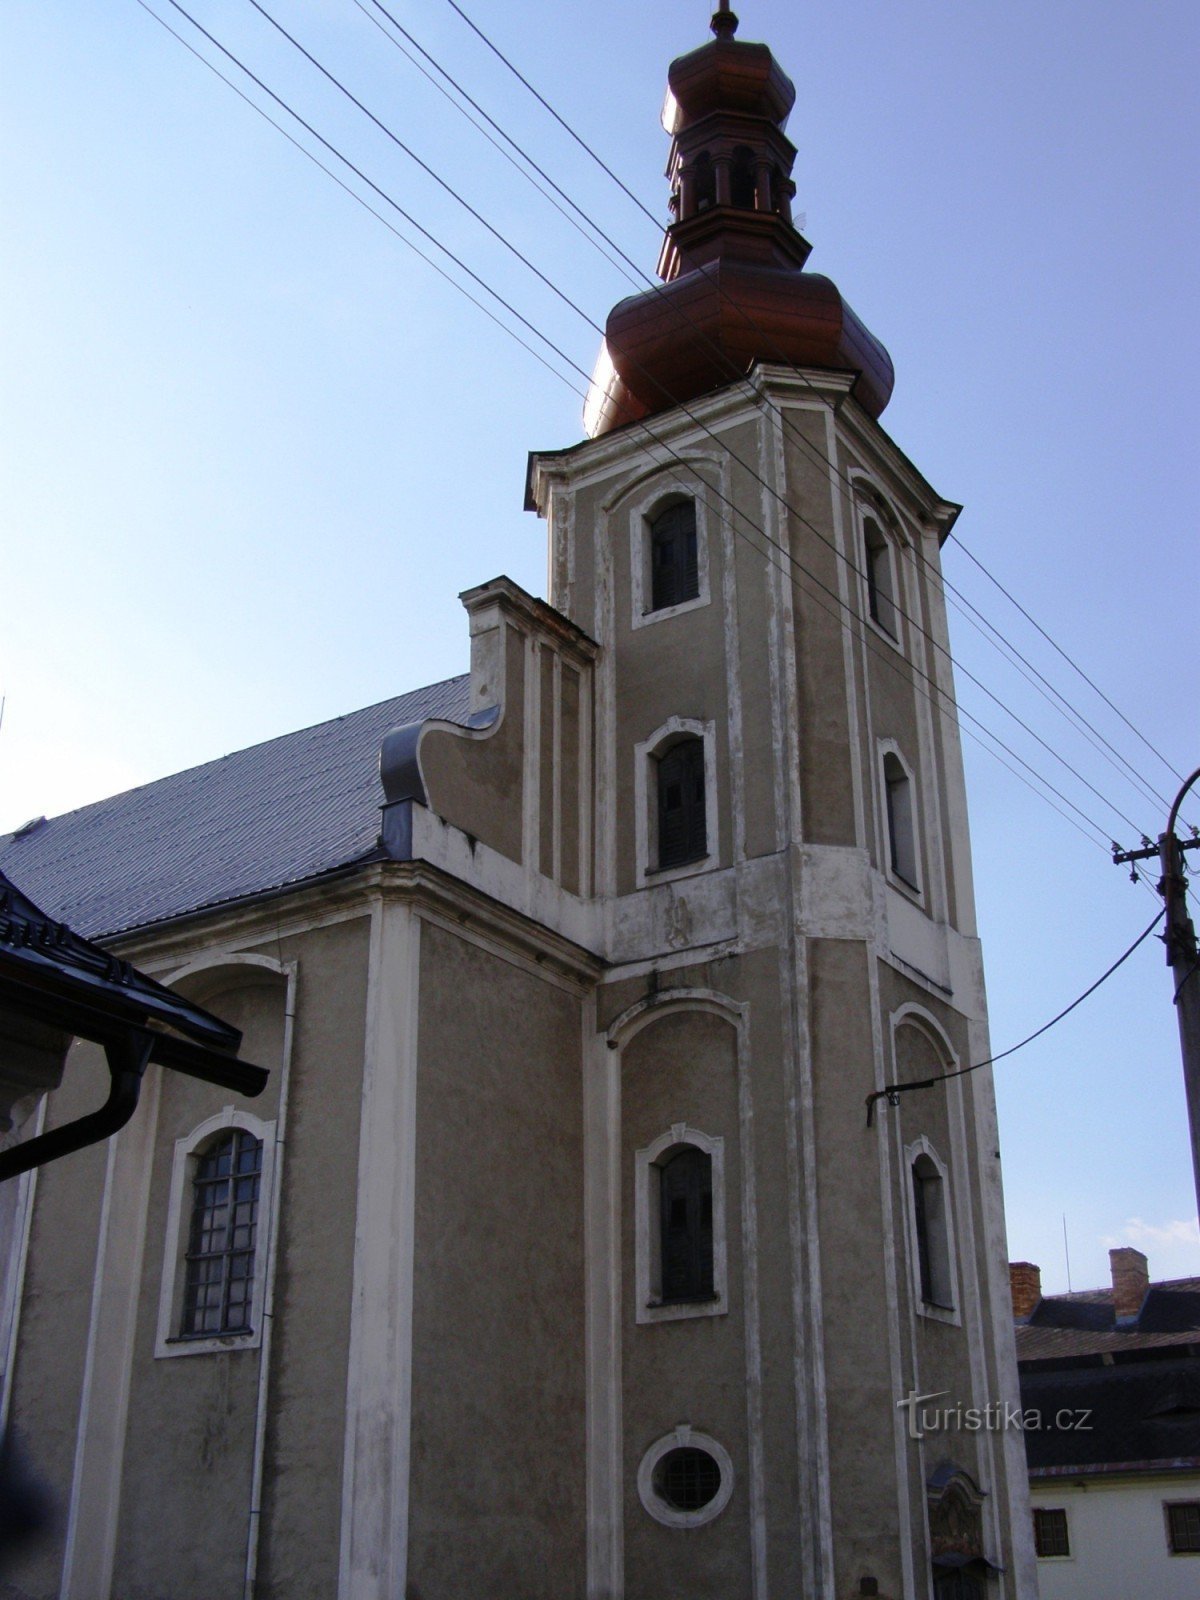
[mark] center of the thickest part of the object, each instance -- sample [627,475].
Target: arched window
[741,178]
[682,823]
[219,1278]
[704,179]
[674,564]
[685,1184]
[681,1262]
[932,1233]
[877,564]
[902,841]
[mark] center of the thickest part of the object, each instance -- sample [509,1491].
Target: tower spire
[724,23]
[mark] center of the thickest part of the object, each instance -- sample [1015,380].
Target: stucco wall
[498,1458]
[1118,1538]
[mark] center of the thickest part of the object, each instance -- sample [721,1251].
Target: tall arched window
[674,563]
[219,1279]
[681,1265]
[686,1225]
[932,1233]
[902,839]
[877,564]
[682,822]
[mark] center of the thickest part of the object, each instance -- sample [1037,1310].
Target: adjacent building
[559,1257]
[1110,1386]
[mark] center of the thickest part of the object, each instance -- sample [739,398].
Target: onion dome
[732,262]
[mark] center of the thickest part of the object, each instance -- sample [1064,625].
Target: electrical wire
[1095,687]
[1097,738]
[657,439]
[355,196]
[524,259]
[891,1092]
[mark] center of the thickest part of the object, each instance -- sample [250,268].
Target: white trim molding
[684,1437]
[168,1341]
[646,754]
[650,1307]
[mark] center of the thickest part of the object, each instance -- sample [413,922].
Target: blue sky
[253,447]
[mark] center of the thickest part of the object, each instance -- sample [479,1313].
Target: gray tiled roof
[275,814]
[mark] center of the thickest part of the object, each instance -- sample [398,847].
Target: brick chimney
[1025,1281]
[1130,1280]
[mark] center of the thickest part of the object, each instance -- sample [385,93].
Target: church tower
[565,1261]
[781,850]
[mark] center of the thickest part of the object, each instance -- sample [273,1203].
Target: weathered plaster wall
[497,1476]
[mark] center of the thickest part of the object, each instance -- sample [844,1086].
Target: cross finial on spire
[724,23]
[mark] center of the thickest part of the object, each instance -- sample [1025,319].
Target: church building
[560,1258]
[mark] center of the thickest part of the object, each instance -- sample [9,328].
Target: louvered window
[933,1246]
[686,1218]
[674,567]
[682,825]
[881,599]
[219,1283]
[902,843]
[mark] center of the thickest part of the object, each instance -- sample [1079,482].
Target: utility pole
[1182,957]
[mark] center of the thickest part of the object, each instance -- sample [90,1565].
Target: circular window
[685,1479]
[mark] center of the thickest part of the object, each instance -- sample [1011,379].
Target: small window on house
[902,842]
[881,594]
[1050,1532]
[219,1278]
[1183,1527]
[682,825]
[674,564]
[741,178]
[686,1226]
[932,1234]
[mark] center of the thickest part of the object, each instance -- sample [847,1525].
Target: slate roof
[278,813]
[1139,1382]
[1144,1415]
[1084,1324]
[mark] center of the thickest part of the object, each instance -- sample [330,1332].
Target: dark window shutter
[674,568]
[924,1266]
[682,825]
[687,1228]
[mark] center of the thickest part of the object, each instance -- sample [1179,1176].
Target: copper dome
[735,292]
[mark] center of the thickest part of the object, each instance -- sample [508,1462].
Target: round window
[687,1479]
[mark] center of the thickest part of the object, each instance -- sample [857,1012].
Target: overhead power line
[891,1092]
[1129,771]
[942,703]
[589,321]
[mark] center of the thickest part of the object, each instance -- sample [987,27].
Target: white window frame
[645,784]
[640,516]
[952,1313]
[169,1341]
[889,747]
[647,1164]
[684,1437]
